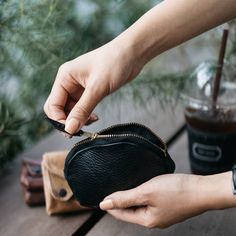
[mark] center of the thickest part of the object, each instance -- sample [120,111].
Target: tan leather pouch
[58,195]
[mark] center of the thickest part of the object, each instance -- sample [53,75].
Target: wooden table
[18,219]
[214,223]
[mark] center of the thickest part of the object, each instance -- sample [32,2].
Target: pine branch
[38,36]
[10,140]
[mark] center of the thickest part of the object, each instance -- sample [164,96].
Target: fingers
[93,118]
[81,111]
[125,199]
[54,106]
[71,101]
[130,205]
[135,216]
[69,106]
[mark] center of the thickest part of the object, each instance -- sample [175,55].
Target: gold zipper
[91,136]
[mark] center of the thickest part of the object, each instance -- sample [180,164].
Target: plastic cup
[211,128]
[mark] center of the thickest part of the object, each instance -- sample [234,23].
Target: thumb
[124,199]
[81,111]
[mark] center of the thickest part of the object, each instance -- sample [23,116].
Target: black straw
[220,66]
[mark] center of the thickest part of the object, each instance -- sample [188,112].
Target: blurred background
[36,37]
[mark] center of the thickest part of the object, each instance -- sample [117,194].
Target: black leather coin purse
[118,158]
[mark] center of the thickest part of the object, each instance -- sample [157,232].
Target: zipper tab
[61,127]
[89,135]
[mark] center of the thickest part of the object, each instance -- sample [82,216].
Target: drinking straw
[220,66]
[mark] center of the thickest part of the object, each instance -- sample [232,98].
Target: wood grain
[18,219]
[212,223]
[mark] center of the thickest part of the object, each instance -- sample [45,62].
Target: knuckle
[116,202]
[63,67]
[149,224]
[143,198]
[81,113]
[150,221]
[63,70]
[119,202]
[45,108]
[160,223]
[99,89]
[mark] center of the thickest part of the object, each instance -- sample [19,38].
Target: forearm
[171,23]
[215,191]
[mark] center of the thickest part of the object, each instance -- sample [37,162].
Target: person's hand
[169,199]
[82,83]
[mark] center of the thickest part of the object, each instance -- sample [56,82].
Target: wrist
[143,40]
[127,54]
[216,191]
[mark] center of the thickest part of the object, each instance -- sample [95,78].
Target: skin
[82,83]
[153,204]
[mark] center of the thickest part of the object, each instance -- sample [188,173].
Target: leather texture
[234,179]
[58,195]
[95,168]
[32,182]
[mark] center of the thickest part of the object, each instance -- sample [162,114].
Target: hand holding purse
[118,158]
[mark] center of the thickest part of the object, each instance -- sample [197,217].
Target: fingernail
[94,117]
[72,126]
[106,204]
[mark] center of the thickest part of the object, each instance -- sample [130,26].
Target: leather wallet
[32,182]
[58,195]
[118,158]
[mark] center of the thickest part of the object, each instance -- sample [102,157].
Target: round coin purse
[117,158]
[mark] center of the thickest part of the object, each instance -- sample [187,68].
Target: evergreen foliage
[36,37]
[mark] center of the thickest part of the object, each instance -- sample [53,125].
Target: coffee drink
[212,139]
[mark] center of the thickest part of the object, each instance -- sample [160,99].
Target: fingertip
[106,204]
[94,117]
[72,125]
[111,196]
[45,107]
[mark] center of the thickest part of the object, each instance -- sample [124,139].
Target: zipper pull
[88,134]
[61,127]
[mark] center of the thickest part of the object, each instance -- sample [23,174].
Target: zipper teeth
[117,136]
[137,124]
[99,135]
